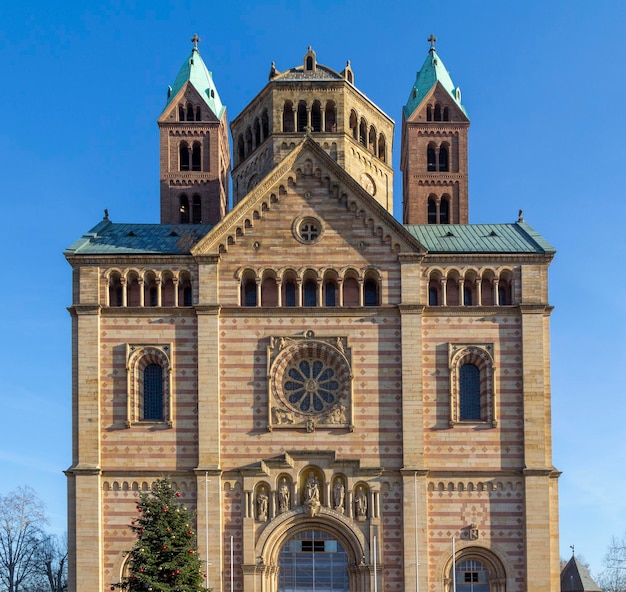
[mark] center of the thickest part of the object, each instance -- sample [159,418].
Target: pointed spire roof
[195,71]
[432,71]
[576,578]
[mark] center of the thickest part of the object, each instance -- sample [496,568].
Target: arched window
[446,114]
[432,210]
[469,392]
[310,293]
[444,211]
[183,209]
[257,133]
[185,292]
[198,114]
[363,132]
[116,291]
[472,576]
[190,112]
[330,294]
[437,112]
[350,292]
[196,157]
[181,113]
[167,290]
[151,292]
[153,393]
[354,126]
[196,210]
[288,117]
[471,383]
[302,116]
[371,141]
[429,113]
[370,292]
[290,293]
[443,158]
[269,292]
[309,63]
[183,159]
[316,116]
[467,295]
[433,293]
[265,124]
[431,159]
[331,117]
[249,292]
[133,290]
[241,151]
[382,149]
[248,140]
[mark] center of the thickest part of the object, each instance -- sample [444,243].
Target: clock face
[368,183]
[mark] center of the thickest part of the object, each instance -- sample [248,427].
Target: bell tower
[194,147]
[434,148]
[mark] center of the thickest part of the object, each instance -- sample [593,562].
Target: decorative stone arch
[138,357]
[480,355]
[286,525]
[489,558]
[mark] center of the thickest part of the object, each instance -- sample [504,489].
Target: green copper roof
[432,71]
[195,71]
[480,238]
[107,238]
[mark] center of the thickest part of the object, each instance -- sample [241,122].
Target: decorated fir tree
[165,556]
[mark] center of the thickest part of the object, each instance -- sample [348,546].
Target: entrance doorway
[313,561]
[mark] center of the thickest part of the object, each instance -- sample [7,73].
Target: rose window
[311,378]
[310,385]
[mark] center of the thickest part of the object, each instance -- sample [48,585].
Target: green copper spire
[432,71]
[195,71]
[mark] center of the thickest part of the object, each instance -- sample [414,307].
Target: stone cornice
[84,309]
[411,308]
[543,309]
[151,259]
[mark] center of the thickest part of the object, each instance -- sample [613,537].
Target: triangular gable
[187,92]
[438,92]
[343,188]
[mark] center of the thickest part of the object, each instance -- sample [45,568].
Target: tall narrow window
[265,124]
[429,113]
[198,114]
[288,117]
[196,210]
[370,293]
[330,294]
[354,126]
[432,211]
[241,151]
[181,113]
[433,294]
[330,120]
[444,211]
[248,139]
[443,159]
[371,141]
[316,117]
[302,116]
[467,295]
[309,63]
[382,150]
[310,293]
[290,293]
[249,293]
[190,112]
[257,133]
[196,157]
[153,392]
[469,403]
[363,132]
[183,160]
[446,114]
[183,209]
[431,159]
[437,112]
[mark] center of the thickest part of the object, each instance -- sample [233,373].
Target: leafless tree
[52,563]
[22,518]
[613,578]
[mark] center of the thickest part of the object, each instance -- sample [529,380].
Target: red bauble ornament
[178,494]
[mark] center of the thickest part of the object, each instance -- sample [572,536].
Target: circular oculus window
[311,378]
[307,229]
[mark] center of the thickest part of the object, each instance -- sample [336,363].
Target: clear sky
[543,83]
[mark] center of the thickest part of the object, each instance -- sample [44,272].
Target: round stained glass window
[311,378]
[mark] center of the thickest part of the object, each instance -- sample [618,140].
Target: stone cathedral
[348,402]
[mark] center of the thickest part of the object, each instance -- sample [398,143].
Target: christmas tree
[165,556]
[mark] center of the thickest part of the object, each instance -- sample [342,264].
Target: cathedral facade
[347,402]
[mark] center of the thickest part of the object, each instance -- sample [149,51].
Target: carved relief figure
[312,489]
[361,503]
[262,501]
[283,496]
[280,416]
[339,494]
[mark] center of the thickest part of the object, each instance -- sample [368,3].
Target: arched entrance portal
[313,560]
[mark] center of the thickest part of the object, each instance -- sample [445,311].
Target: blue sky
[543,83]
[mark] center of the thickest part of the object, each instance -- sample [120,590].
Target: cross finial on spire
[432,39]
[572,548]
[195,40]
